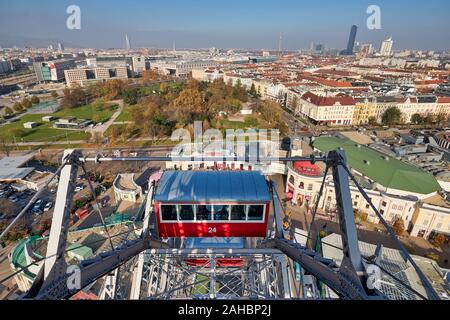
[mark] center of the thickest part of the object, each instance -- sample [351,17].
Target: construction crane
[351,280]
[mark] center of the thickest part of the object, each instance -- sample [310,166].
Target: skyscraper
[351,41]
[60,46]
[127,40]
[386,47]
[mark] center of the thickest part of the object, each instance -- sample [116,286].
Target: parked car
[13,198]
[38,202]
[38,206]
[6,193]
[79,188]
[48,206]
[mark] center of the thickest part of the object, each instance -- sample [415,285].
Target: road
[296,124]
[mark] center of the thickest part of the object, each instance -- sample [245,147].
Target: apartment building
[182,69]
[432,217]
[207,75]
[83,77]
[331,110]
[53,71]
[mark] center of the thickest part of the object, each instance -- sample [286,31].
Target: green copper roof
[390,173]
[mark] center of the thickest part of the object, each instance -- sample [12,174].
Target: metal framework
[169,275]
[146,267]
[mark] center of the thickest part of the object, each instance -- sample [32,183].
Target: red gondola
[212,204]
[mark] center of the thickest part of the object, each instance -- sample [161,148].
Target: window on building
[204,212]
[384,203]
[237,212]
[382,211]
[367,206]
[310,187]
[292,180]
[186,212]
[255,212]
[169,212]
[221,212]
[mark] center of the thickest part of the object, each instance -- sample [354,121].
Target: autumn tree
[73,97]
[151,76]
[398,226]
[26,103]
[35,100]
[442,119]
[193,84]
[8,111]
[416,119]
[113,89]
[131,96]
[17,106]
[429,119]
[372,121]
[438,241]
[188,106]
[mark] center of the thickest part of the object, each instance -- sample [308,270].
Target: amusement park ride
[184,207]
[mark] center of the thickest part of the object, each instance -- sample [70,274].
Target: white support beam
[55,265]
[137,278]
[109,287]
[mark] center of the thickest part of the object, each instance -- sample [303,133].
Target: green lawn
[126,114]
[93,112]
[390,173]
[15,132]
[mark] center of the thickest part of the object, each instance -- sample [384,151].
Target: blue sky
[226,23]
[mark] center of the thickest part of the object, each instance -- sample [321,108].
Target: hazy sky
[413,24]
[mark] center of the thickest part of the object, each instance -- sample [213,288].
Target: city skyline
[201,24]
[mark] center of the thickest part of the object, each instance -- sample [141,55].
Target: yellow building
[362,112]
[261,87]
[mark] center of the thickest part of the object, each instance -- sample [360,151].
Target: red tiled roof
[427,82]
[344,100]
[443,99]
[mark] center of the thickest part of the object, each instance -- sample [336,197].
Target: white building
[386,47]
[125,189]
[207,75]
[182,68]
[332,110]
[86,76]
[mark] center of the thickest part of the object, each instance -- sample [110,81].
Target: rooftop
[329,101]
[389,172]
[212,186]
[10,168]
